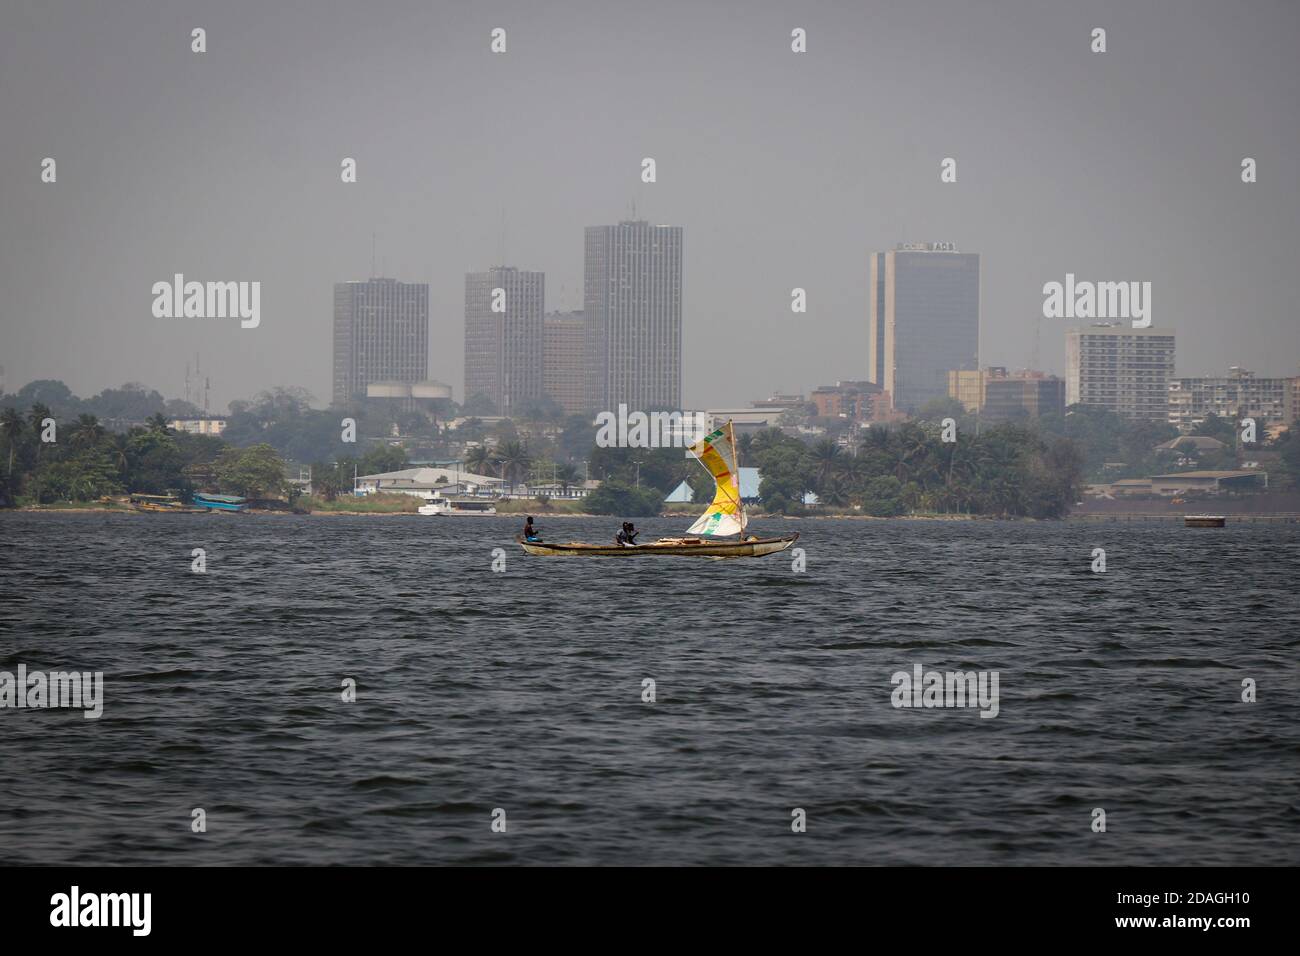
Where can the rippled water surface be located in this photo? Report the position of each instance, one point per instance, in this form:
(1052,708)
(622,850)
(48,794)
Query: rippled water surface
(522,690)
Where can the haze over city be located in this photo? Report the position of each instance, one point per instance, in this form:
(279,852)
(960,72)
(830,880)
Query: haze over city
(648,434)
(783,171)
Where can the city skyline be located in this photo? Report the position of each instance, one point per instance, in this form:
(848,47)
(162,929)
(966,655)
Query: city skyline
(791,182)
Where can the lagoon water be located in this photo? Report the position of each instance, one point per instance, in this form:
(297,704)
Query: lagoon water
(522,690)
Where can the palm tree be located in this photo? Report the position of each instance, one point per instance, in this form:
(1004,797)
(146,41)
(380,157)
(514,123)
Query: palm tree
(157,422)
(825,458)
(479,460)
(120,445)
(910,448)
(877,439)
(36,417)
(566,475)
(514,460)
(834,493)
(12,423)
(851,469)
(86,432)
(767,438)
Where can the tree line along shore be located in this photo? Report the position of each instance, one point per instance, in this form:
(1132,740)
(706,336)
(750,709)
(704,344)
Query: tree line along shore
(1030,469)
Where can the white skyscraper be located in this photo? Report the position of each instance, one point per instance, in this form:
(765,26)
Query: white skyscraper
(633,308)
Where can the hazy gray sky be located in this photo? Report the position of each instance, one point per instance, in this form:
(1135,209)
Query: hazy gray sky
(785,170)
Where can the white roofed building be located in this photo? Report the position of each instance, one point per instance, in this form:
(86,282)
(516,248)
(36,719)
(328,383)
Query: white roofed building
(425,481)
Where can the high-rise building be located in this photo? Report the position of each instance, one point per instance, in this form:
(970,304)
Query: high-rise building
(632,297)
(1125,369)
(381,334)
(1237,395)
(924,320)
(504,349)
(1024,395)
(564,360)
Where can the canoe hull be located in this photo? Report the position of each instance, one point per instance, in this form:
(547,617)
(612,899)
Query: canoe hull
(755,548)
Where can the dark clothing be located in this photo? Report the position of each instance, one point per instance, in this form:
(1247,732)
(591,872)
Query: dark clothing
(626,538)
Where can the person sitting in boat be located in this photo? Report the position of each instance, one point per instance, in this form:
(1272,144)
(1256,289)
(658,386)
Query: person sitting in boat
(530,531)
(626,538)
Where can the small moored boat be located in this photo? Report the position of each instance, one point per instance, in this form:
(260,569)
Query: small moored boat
(440,504)
(219,502)
(725,516)
(1204,521)
(161,504)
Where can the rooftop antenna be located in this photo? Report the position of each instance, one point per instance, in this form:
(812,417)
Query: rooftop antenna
(1038,329)
(501,239)
(207,384)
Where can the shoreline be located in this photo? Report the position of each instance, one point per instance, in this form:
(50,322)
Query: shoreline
(1238,518)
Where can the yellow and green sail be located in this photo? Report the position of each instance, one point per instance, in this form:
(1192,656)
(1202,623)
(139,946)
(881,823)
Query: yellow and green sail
(726,515)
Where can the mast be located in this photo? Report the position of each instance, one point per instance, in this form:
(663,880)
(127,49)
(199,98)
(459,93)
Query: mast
(740,500)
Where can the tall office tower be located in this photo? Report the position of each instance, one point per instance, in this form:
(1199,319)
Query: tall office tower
(1119,367)
(1237,395)
(504,350)
(925,320)
(564,360)
(381,334)
(632,292)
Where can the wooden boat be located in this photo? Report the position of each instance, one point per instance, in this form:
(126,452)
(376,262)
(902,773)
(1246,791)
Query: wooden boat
(725,516)
(162,504)
(694,547)
(1204,521)
(219,502)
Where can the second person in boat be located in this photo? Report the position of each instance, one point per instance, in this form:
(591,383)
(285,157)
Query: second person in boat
(626,538)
